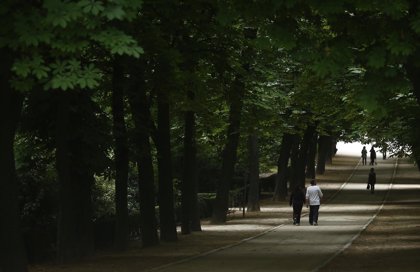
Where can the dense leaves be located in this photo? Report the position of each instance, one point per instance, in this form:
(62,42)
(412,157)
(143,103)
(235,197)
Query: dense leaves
(340,69)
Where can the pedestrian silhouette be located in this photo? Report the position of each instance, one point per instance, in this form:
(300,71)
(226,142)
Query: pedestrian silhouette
(372,156)
(371,180)
(297,198)
(364,155)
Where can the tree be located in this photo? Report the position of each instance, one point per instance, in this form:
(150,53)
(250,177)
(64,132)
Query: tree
(140,110)
(51,51)
(254,174)
(121,156)
(13,257)
(229,152)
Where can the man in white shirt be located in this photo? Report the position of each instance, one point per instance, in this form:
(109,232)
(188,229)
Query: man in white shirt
(313,199)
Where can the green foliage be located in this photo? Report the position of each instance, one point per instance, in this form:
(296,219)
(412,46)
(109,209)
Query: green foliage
(282,36)
(395,9)
(338,65)
(117,42)
(103,197)
(415,24)
(35,170)
(54,40)
(70,75)
(376,57)
(398,46)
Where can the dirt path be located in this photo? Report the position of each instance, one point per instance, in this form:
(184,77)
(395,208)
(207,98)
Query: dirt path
(292,248)
(306,247)
(392,241)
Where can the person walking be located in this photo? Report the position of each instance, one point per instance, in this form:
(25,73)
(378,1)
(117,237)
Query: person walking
(371,180)
(313,198)
(372,156)
(297,199)
(364,155)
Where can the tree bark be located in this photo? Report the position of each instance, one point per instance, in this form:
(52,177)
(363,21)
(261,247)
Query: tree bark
(229,153)
(280,191)
(12,250)
(303,155)
(190,220)
(166,192)
(75,230)
(413,72)
(330,150)
(142,121)
(254,174)
(310,167)
(121,158)
(323,143)
(294,162)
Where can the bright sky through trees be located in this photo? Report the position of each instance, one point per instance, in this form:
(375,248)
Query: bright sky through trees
(355,149)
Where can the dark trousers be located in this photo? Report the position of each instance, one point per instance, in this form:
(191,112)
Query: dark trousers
(364,160)
(297,210)
(372,188)
(313,214)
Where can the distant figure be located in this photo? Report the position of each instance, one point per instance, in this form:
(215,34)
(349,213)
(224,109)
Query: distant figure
(383,151)
(372,156)
(364,155)
(297,198)
(371,180)
(313,198)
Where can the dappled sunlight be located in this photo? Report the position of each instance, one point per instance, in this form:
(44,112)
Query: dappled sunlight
(405,186)
(285,208)
(235,227)
(353,207)
(362,187)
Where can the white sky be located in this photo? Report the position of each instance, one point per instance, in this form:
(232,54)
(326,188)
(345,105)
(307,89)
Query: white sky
(354,149)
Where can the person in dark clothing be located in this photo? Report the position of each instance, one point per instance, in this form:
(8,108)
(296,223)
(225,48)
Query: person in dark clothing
(297,199)
(372,156)
(372,180)
(364,155)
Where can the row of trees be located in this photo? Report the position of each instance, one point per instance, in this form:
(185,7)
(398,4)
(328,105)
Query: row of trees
(94,92)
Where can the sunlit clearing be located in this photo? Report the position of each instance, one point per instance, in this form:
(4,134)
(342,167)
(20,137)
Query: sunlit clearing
(354,149)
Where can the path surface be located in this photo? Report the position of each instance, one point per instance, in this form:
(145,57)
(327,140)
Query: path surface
(306,248)
(388,242)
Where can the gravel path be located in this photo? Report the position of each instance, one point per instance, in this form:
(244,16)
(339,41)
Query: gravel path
(307,248)
(357,231)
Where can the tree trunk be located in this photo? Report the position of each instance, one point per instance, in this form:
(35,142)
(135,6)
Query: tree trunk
(121,158)
(413,75)
(75,230)
(310,167)
(229,153)
(188,175)
(294,162)
(334,147)
(413,72)
(146,183)
(323,143)
(280,191)
(254,174)
(190,220)
(12,250)
(195,215)
(330,150)
(303,155)
(166,191)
